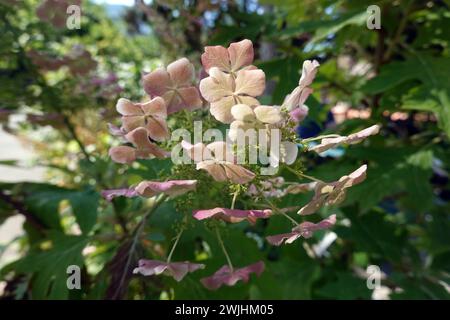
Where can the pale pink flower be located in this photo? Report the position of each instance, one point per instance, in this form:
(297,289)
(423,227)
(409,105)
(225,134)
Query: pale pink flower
(333,192)
(174,85)
(224,91)
(305,230)
(237,56)
(328,143)
(299,95)
(245,117)
(171,188)
(150,115)
(218,160)
(224,276)
(143,148)
(55,11)
(232,215)
(177,270)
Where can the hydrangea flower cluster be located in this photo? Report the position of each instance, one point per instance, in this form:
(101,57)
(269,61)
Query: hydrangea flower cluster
(229,91)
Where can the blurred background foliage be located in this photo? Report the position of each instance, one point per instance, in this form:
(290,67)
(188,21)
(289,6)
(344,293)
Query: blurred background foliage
(58,89)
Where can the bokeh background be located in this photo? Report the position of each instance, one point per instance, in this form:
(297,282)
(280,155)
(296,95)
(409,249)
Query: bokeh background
(58,89)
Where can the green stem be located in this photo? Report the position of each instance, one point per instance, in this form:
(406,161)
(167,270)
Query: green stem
(235,195)
(219,238)
(302,175)
(137,232)
(174,245)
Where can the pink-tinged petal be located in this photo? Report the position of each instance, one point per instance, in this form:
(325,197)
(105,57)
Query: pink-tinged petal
(315,204)
(216,56)
(333,192)
(356,177)
(189,98)
(181,72)
(177,270)
(138,137)
(278,239)
(157,129)
(180,269)
(354,138)
(250,101)
(130,123)
(297,98)
(232,215)
(221,109)
(215,170)
(250,82)
(217,86)
(361,135)
(299,114)
(309,71)
(150,267)
(238,174)
(144,148)
(122,154)
(305,230)
(243,112)
(241,54)
(156,82)
(155,108)
(197,152)
(267,114)
(127,108)
(113,193)
(170,188)
(224,276)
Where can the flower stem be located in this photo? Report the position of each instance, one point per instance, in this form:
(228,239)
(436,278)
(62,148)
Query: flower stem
(302,175)
(137,232)
(235,195)
(281,212)
(174,245)
(219,238)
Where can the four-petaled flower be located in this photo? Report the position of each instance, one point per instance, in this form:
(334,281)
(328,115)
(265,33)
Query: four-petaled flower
(305,230)
(237,56)
(177,270)
(245,117)
(226,276)
(333,192)
(224,90)
(150,115)
(218,160)
(143,148)
(232,215)
(174,85)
